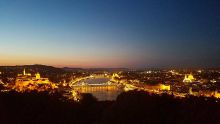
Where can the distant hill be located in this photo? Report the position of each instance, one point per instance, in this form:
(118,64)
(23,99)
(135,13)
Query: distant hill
(72,69)
(53,73)
(43,68)
(33,68)
(95,69)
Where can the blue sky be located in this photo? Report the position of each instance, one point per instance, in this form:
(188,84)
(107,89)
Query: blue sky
(110,33)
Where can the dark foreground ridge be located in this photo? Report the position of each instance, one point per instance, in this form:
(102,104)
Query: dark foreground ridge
(134,107)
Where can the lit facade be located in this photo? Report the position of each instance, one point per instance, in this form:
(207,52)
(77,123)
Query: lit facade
(188,78)
(26,81)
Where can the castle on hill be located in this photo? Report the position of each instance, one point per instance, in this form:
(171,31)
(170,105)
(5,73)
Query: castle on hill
(26,81)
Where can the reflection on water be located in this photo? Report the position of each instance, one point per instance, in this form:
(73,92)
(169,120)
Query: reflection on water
(95,81)
(102,93)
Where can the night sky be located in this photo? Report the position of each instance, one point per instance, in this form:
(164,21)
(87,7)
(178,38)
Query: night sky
(110,33)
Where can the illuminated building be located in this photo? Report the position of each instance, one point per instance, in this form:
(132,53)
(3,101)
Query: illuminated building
(115,75)
(188,78)
(173,72)
(24,73)
(158,87)
(37,76)
(149,72)
(164,87)
(217,94)
(190,91)
(213,81)
(27,82)
(1,82)
(199,71)
(129,87)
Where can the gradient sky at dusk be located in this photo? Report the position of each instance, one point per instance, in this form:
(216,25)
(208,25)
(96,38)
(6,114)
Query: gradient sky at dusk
(110,33)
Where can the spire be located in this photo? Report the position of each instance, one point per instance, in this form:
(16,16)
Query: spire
(24,73)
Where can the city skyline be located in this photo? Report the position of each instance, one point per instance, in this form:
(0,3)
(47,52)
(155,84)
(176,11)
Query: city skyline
(90,34)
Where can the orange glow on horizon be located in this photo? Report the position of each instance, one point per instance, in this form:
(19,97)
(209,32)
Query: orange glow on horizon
(88,63)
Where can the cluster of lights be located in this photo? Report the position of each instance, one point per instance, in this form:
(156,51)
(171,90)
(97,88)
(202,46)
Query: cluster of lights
(25,82)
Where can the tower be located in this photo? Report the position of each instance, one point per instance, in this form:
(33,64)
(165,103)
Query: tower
(190,91)
(37,76)
(24,73)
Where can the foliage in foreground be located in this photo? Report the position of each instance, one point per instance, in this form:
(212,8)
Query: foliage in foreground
(134,107)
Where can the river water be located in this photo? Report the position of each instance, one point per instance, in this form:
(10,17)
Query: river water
(102,94)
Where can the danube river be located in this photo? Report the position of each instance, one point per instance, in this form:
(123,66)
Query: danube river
(101,93)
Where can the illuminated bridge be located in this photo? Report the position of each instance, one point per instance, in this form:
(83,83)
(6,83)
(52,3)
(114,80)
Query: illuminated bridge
(93,76)
(94,87)
(80,84)
(97,85)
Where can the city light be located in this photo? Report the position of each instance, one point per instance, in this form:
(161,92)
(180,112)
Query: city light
(109,62)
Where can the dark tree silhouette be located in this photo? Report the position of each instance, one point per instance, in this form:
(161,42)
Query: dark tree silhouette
(133,107)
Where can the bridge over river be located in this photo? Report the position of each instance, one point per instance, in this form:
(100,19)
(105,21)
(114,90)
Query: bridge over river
(101,87)
(101,83)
